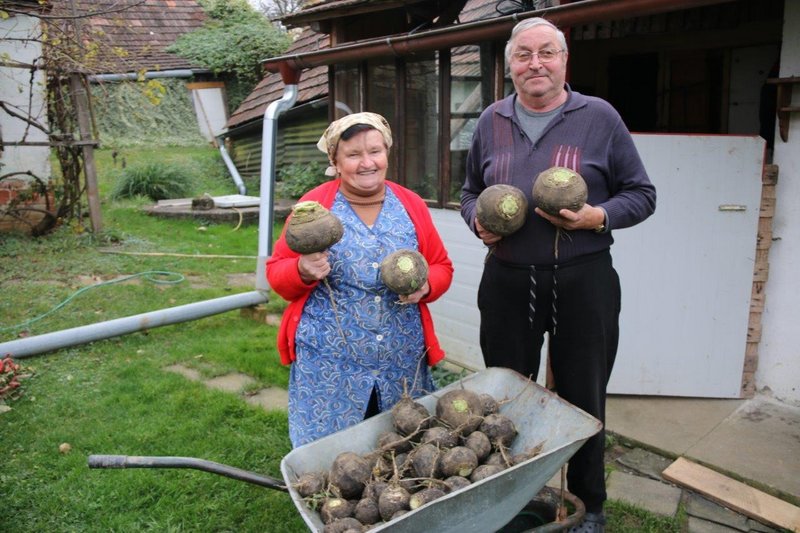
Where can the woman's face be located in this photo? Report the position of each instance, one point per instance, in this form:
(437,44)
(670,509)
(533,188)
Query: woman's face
(361,162)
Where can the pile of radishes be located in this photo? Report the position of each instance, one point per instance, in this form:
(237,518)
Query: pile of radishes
(427,456)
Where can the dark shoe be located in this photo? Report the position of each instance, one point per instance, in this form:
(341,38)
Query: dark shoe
(592,523)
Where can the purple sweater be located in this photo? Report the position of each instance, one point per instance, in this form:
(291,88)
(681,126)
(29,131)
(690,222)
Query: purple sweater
(589,137)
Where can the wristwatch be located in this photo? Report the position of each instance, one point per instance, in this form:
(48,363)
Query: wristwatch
(601,228)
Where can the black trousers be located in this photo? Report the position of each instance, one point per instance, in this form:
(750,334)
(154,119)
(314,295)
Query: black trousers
(578,304)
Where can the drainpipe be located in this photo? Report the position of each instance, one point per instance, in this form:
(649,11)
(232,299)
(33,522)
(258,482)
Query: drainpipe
(268,145)
(237,178)
(47,342)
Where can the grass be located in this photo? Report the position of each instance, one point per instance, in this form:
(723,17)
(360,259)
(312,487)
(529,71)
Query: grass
(114,397)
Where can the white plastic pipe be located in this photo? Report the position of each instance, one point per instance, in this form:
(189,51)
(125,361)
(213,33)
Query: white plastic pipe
(267,188)
(113,328)
(237,178)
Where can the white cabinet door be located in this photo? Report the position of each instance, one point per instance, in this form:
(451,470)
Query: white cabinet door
(687,271)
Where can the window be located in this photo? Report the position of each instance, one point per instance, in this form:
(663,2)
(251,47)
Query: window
(421,126)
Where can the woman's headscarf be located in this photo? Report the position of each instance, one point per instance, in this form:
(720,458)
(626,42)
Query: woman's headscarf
(330,139)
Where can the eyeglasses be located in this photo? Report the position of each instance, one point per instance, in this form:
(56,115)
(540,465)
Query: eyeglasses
(545,56)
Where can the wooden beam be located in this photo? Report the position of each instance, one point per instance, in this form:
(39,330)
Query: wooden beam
(80,99)
(734,494)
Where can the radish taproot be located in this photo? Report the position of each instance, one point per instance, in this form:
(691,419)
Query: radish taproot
(349,474)
(499,429)
(478,442)
(367,511)
(404,271)
(344,525)
(312,228)
(424,496)
(501,209)
(559,188)
(393,499)
(334,509)
(310,483)
(461,410)
(458,461)
(410,417)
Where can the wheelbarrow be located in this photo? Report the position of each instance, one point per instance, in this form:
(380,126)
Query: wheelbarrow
(541,418)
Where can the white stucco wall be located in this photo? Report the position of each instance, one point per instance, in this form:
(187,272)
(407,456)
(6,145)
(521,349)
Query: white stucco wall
(779,352)
(15,89)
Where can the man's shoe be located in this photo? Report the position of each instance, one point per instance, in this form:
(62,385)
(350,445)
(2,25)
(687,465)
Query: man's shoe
(592,523)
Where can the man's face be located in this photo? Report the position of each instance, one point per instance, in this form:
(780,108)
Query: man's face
(537,83)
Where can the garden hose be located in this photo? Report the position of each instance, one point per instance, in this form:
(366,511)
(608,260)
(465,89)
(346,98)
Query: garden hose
(150,275)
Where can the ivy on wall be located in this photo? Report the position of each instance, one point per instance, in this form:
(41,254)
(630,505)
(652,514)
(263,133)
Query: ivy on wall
(126,115)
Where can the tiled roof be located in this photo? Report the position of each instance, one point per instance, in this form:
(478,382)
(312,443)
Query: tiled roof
(314,82)
(143,29)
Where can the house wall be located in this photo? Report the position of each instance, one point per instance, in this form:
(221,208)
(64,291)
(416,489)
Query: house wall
(779,352)
(15,89)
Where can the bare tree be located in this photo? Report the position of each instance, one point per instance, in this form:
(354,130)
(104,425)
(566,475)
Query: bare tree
(279,8)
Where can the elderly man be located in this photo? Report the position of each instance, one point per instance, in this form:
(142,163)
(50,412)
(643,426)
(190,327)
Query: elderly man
(555,273)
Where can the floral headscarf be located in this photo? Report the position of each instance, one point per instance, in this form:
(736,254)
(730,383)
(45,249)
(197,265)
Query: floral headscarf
(330,139)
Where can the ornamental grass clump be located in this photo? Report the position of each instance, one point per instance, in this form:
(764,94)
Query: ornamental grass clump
(155,179)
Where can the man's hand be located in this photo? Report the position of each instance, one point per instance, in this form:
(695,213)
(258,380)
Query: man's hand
(587,217)
(485,235)
(313,267)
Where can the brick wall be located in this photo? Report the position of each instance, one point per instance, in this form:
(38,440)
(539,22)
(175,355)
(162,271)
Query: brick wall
(10,193)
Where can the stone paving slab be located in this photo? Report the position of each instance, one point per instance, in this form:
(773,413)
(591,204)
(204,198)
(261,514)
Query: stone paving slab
(654,496)
(698,525)
(645,462)
(189,373)
(270,398)
(699,507)
(753,443)
(233,382)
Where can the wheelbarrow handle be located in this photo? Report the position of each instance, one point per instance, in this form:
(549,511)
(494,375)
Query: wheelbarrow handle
(135,461)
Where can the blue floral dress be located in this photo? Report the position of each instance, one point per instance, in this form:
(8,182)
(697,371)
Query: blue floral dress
(333,377)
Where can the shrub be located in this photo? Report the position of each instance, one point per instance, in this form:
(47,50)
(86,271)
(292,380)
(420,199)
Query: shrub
(296,179)
(156,180)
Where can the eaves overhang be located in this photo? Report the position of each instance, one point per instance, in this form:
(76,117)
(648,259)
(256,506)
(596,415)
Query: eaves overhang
(576,13)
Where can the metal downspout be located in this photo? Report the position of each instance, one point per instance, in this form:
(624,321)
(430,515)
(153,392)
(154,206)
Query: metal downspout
(237,178)
(268,145)
(105,330)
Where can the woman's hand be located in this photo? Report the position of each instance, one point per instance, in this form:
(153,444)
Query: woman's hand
(485,235)
(313,267)
(415,297)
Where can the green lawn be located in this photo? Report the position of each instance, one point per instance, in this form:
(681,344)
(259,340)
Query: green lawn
(113,396)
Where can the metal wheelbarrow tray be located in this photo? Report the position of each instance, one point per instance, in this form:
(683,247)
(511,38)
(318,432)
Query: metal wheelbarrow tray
(541,417)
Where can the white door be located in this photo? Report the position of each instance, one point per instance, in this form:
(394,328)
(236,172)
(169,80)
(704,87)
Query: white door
(686,272)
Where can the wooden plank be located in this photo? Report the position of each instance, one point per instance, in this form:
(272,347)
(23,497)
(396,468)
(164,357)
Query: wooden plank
(734,494)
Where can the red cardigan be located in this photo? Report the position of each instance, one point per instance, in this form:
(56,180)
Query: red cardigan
(284,278)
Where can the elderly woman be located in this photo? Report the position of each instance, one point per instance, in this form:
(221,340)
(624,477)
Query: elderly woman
(353,344)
